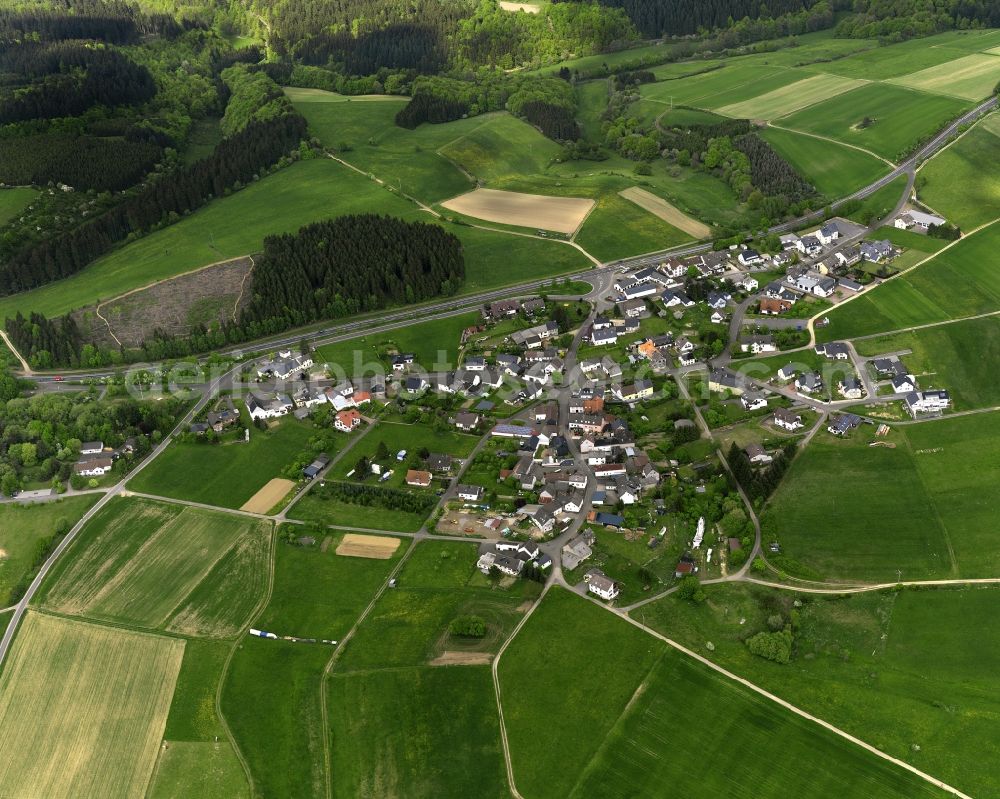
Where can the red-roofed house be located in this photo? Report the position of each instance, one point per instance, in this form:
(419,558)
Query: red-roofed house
(347,420)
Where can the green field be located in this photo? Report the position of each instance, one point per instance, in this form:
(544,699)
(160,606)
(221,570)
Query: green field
(422,733)
(726,84)
(190,768)
(103,694)
(972,77)
(900,118)
(503,145)
(954,182)
(13,201)
(850,512)
(962,357)
(271,693)
(959,281)
(424,339)
(909,672)
(893,61)
(147,563)
(835,171)
(653,720)
(790,98)
(23,527)
(881,202)
(226,475)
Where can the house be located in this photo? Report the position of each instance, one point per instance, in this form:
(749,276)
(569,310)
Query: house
(318,465)
(888,367)
(789,241)
(828,233)
(758,344)
(414,385)
(717,318)
(772,306)
(603,337)
(402,361)
(91,447)
(903,384)
(532,306)
(757,455)
(684,345)
(724,380)
(525,550)
(599,584)
(849,255)
(466,420)
(716,300)
(637,290)
(748,284)
(926,401)
(609,520)
(347,420)
(787,372)
(753,400)
(638,390)
(877,251)
(417,477)
(631,309)
(94,467)
(578,550)
(808,382)
(509,565)
(824,287)
(220,420)
(284,366)
(811,245)
(788,420)
(501,309)
(470,493)
(837,350)
(850,285)
(842,425)
(474,364)
(261,407)
(918,220)
(749,257)
(850,388)
(685,566)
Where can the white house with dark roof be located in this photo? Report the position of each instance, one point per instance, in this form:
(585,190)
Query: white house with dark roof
(599,584)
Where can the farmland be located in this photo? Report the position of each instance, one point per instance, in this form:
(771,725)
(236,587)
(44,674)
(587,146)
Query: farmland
(790,98)
(104,694)
(959,281)
(665,211)
(972,77)
(561,214)
(929,499)
(138,561)
(23,529)
(227,474)
(908,671)
(189,768)
(954,182)
(606,721)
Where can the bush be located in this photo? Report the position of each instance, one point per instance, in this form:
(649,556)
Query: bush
(468,626)
(776,646)
(690,589)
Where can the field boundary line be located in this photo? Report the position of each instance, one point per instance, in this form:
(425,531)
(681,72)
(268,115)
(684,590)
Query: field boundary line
(328,668)
(261,606)
(793,708)
(494,668)
(831,141)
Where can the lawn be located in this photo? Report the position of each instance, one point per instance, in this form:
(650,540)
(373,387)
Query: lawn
(834,171)
(423,733)
(228,474)
(409,625)
(909,672)
(24,527)
(12,201)
(957,282)
(426,340)
(103,694)
(900,117)
(972,77)
(954,182)
(879,203)
(143,562)
(789,98)
(962,357)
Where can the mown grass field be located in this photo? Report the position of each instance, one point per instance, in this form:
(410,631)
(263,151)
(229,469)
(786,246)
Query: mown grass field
(189,768)
(785,100)
(13,201)
(711,89)
(503,145)
(654,719)
(23,527)
(424,339)
(847,511)
(893,61)
(955,182)
(958,281)
(271,693)
(962,357)
(972,77)
(835,171)
(908,672)
(900,117)
(103,694)
(424,732)
(226,475)
(146,563)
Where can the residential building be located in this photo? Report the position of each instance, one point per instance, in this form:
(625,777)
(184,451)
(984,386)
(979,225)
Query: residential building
(93,467)
(470,493)
(787,420)
(757,455)
(599,584)
(837,350)
(934,401)
(347,420)
(753,400)
(758,344)
(842,425)
(918,220)
(467,421)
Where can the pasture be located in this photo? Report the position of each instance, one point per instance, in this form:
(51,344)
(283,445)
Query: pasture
(908,672)
(954,182)
(138,561)
(835,171)
(423,733)
(13,201)
(958,281)
(192,768)
(503,146)
(899,116)
(788,99)
(22,530)
(667,212)
(103,694)
(226,474)
(561,214)
(971,77)
(893,61)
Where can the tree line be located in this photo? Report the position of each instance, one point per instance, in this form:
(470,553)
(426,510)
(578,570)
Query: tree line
(377,496)
(760,484)
(897,20)
(235,160)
